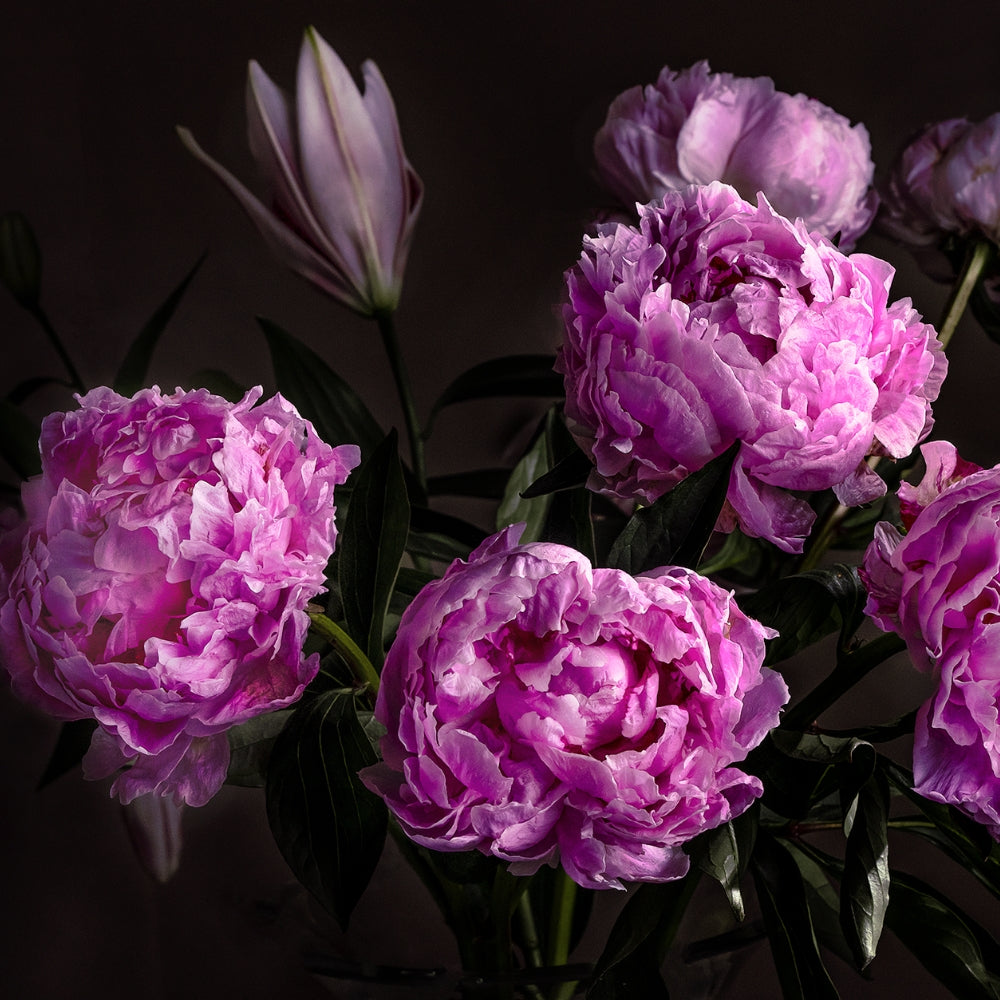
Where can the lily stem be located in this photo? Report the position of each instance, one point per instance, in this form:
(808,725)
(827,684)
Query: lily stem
(387,329)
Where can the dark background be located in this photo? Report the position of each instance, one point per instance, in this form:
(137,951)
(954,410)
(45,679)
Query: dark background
(498,105)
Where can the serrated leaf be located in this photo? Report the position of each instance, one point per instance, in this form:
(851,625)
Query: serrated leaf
(19,440)
(72,743)
(947,942)
(513,375)
(807,607)
(784,905)
(864,887)
(320,395)
(250,746)
(676,528)
(329,827)
(132,373)
(371,545)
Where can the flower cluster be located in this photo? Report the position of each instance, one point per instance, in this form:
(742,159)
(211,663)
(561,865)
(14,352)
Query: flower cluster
(158,582)
(695,127)
(544,711)
(938,586)
(717,321)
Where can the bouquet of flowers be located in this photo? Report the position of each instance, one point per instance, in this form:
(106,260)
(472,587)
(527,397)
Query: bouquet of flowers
(588,697)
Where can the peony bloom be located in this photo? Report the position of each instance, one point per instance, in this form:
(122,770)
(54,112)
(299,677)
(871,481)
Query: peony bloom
(945,183)
(159,579)
(938,586)
(342,199)
(546,712)
(717,321)
(695,127)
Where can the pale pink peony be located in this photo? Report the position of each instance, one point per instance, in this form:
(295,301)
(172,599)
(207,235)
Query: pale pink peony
(938,586)
(546,712)
(695,126)
(718,321)
(159,579)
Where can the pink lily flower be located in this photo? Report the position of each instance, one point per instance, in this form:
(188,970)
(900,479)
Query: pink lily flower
(341,197)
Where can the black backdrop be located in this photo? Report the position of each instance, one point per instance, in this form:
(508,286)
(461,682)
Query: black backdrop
(498,104)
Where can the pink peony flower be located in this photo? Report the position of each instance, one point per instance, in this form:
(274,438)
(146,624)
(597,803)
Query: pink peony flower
(717,321)
(938,586)
(543,711)
(159,579)
(695,126)
(343,198)
(945,182)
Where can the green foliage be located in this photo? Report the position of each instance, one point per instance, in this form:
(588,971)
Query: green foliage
(329,827)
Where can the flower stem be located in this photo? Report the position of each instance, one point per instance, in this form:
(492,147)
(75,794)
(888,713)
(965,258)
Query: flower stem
(361,666)
(975,261)
(387,329)
(50,331)
(560,929)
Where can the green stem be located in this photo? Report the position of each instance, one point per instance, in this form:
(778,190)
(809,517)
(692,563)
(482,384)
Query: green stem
(560,930)
(387,328)
(975,261)
(851,667)
(43,320)
(532,947)
(361,666)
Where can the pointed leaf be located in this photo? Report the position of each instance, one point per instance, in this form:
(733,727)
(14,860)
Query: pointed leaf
(514,507)
(783,902)
(718,855)
(806,607)
(570,472)
(320,395)
(132,374)
(20,259)
(329,827)
(250,746)
(676,529)
(371,546)
(864,888)
(953,948)
(71,745)
(19,440)
(487,484)
(513,375)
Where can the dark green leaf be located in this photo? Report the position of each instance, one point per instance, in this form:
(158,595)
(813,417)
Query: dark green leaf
(320,395)
(487,484)
(514,375)
(629,966)
(806,607)
(132,374)
(514,507)
(371,546)
(19,440)
(23,390)
(72,743)
(433,545)
(219,383)
(676,529)
(953,948)
(423,519)
(717,854)
(864,888)
(329,827)
(567,474)
(20,259)
(250,745)
(784,905)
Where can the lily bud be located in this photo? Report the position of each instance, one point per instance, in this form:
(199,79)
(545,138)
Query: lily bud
(341,197)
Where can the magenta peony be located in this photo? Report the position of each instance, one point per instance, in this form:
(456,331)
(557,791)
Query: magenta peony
(718,321)
(695,126)
(342,197)
(546,712)
(158,581)
(946,181)
(938,586)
